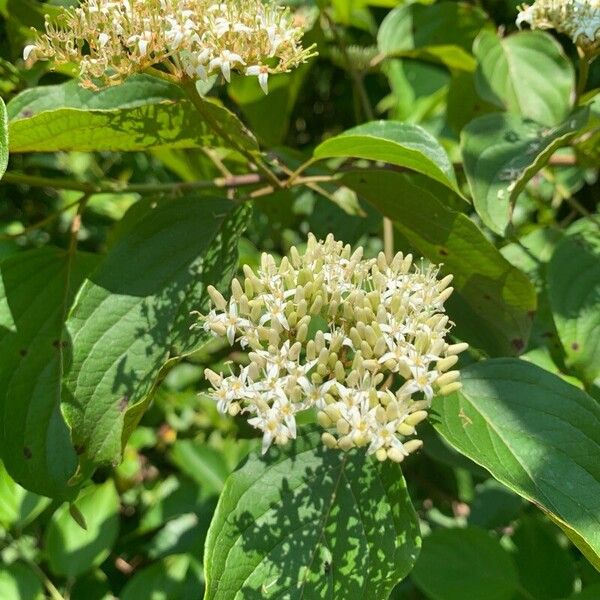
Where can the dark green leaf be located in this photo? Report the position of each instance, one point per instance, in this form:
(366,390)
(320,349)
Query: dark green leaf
(534,57)
(309,521)
(443,33)
(71,550)
(536,434)
(401,144)
(456,564)
(573,281)
(36,291)
(142,113)
(502,152)
(173,578)
(133,313)
(496,300)
(546,568)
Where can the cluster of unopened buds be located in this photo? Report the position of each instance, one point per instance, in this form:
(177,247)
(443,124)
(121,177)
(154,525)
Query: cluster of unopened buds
(579,19)
(112,39)
(361,342)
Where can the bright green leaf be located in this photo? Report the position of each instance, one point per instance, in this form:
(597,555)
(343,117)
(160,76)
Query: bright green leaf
(133,313)
(456,564)
(307,521)
(443,33)
(502,152)
(536,434)
(19,582)
(496,299)
(533,57)
(142,113)
(72,550)
(18,507)
(573,281)
(36,291)
(401,144)
(202,463)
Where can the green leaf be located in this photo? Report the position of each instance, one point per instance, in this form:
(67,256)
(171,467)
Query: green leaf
(36,291)
(142,113)
(19,582)
(546,568)
(456,564)
(18,507)
(173,578)
(443,33)
(533,57)
(536,434)
(3,138)
(573,280)
(202,463)
(401,144)
(132,315)
(307,521)
(496,299)
(71,550)
(502,152)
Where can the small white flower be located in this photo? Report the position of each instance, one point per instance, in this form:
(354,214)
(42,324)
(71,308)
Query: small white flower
(263,76)
(29,51)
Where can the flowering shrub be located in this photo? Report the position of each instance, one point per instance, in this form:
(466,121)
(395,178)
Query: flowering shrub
(299,300)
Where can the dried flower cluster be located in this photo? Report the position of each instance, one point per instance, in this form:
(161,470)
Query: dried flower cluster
(111,39)
(361,341)
(579,19)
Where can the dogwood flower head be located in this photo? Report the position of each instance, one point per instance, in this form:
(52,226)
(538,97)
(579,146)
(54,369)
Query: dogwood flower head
(109,40)
(360,342)
(579,19)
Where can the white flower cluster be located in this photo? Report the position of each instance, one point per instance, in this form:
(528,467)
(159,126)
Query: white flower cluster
(110,40)
(360,341)
(579,19)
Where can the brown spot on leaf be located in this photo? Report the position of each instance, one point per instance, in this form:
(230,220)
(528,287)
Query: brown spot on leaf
(443,252)
(27,452)
(123,403)
(518,344)
(23,351)
(575,346)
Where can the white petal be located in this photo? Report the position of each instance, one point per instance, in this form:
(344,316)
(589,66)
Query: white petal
(253,70)
(226,70)
(27,51)
(263,80)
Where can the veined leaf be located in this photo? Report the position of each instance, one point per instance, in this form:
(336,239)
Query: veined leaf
(142,113)
(133,313)
(502,152)
(307,521)
(36,291)
(401,144)
(534,57)
(536,434)
(496,299)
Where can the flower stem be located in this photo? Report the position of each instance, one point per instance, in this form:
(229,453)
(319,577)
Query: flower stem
(190,88)
(584,71)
